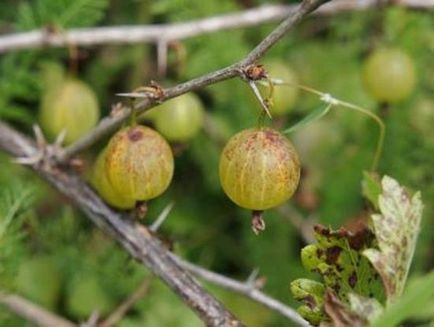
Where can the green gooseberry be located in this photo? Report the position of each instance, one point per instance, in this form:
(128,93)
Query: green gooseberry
(259,168)
(71,106)
(139,163)
(389,75)
(422,116)
(102,185)
(181,118)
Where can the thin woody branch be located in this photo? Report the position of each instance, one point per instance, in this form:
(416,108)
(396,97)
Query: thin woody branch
(141,244)
(32,312)
(154,33)
(135,239)
(248,289)
(110,123)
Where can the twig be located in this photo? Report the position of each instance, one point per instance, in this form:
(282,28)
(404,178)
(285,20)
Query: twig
(110,123)
(247,289)
(32,312)
(136,239)
(123,308)
(178,31)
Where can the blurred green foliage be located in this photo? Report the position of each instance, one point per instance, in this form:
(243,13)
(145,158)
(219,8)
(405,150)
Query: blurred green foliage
(204,226)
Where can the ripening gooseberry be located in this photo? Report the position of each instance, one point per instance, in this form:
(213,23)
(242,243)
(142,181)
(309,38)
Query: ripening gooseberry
(284,96)
(180,119)
(139,163)
(71,106)
(389,75)
(422,116)
(102,185)
(259,168)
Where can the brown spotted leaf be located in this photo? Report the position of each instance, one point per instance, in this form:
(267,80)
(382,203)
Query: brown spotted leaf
(368,308)
(396,229)
(338,258)
(340,313)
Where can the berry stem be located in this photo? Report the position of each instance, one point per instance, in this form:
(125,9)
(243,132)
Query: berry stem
(258,224)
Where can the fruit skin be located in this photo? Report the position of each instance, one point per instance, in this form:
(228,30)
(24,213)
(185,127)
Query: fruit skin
(102,185)
(284,96)
(180,119)
(259,168)
(71,106)
(86,295)
(422,116)
(139,163)
(39,279)
(389,75)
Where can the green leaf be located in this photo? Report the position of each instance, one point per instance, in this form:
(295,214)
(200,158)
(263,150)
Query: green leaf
(313,116)
(417,295)
(311,294)
(396,230)
(371,187)
(338,258)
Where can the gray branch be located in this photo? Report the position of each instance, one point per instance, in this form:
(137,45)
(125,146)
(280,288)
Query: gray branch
(247,289)
(136,240)
(155,33)
(109,124)
(32,312)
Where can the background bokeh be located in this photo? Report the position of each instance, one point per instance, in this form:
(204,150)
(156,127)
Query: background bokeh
(327,53)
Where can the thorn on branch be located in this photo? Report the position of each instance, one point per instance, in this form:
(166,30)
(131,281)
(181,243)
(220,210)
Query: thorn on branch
(45,152)
(264,103)
(162,217)
(153,91)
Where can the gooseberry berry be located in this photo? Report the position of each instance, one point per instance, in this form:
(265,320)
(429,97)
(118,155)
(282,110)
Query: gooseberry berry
(71,106)
(389,75)
(422,116)
(284,96)
(259,169)
(180,119)
(139,163)
(100,182)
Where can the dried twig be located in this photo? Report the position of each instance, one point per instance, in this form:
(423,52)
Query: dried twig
(136,239)
(33,312)
(154,33)
(110,123)
(125,306)
(247,289)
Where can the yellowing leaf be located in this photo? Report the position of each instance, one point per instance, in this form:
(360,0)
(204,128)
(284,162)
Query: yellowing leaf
(396,229)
